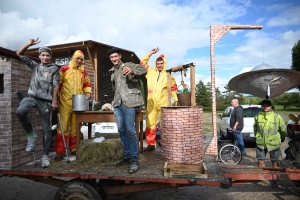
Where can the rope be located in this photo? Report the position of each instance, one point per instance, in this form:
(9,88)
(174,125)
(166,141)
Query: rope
(182,81)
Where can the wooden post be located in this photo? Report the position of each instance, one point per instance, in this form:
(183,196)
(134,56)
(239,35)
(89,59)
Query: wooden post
(94,70)
(193,87)
(96,80)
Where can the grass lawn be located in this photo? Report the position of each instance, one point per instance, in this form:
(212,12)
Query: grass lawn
(208,118)
(285,113)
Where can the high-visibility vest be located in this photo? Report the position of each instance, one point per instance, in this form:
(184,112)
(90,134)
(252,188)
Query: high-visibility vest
(269,129)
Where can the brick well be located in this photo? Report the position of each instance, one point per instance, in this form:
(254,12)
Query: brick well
(182,139)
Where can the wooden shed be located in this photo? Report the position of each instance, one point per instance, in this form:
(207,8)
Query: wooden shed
(96,62)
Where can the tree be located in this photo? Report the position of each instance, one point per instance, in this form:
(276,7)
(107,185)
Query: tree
(203,96)
(296,58)
(283,100)
(294,99)
(217,90)
(231,94)
(218,93)
(252,101)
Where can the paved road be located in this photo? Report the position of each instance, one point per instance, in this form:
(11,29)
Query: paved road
(22,189)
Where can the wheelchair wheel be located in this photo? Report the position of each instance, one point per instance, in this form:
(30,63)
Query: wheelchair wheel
(230,154)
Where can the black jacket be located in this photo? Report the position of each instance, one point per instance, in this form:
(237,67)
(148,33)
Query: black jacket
(237,115)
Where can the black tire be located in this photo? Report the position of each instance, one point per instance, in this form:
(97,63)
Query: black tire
(77,189)
(297,183)
(230,154)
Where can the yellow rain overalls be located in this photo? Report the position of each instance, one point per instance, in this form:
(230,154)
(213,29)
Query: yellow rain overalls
(73,80)
(157,84)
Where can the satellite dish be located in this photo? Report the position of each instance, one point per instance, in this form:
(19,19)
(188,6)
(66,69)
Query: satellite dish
(265,81)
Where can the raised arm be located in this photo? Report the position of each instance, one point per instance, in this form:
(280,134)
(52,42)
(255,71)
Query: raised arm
(153,51)
(31,42)
(145,59)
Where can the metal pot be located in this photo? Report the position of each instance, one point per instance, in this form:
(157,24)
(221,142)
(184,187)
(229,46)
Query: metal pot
(79,102)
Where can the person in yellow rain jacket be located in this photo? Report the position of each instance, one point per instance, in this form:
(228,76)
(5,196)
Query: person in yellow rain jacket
(74,79)
(157,84)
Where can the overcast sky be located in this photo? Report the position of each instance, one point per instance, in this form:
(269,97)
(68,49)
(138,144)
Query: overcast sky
(180,28)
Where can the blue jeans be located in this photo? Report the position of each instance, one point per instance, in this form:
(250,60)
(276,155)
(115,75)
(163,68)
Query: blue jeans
(125,119)
(238,139)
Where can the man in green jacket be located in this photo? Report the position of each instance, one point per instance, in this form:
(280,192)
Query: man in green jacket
(269,129)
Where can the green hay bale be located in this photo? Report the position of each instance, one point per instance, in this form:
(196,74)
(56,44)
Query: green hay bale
(108,150)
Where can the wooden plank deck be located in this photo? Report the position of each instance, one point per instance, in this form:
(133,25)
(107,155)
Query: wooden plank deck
(151,170)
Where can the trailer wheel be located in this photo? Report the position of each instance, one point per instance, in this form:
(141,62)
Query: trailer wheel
(297,183)
(77,190)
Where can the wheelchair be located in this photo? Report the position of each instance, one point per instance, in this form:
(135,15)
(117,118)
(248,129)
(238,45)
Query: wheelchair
(228,152)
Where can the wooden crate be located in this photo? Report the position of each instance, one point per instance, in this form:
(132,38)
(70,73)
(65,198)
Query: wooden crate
(185,171)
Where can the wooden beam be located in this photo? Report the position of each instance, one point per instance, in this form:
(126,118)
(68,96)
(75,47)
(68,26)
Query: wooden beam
(96,73)
(94,69)
(63,47)
(89,53)
(193,87)
(96,81)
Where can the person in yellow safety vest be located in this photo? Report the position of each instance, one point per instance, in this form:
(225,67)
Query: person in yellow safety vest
(157,84)
(74,79)
(269,130)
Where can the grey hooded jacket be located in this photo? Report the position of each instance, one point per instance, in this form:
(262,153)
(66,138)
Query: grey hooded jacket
(44,78)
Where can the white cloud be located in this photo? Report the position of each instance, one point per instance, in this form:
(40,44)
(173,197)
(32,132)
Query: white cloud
(180,30)
(220,82)
(245,69)
(260,20)
(172,27)
(13,28)
(289,17)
